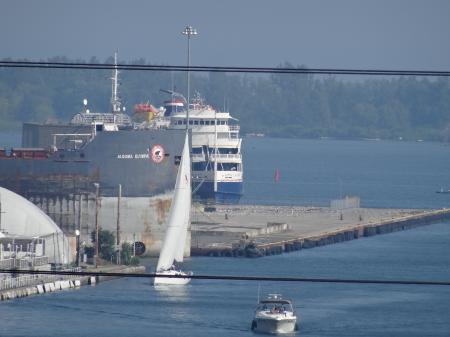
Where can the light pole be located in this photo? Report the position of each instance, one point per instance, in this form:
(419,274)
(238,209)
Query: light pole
(118,226)
(97,186)
(77,234)
(188,31)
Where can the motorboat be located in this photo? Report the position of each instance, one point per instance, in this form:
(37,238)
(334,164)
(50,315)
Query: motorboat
(274,315)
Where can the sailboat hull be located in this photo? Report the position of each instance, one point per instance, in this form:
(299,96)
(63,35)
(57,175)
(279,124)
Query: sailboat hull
(172,280)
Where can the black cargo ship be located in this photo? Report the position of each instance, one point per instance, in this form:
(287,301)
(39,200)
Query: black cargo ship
(98,167)
(144,162)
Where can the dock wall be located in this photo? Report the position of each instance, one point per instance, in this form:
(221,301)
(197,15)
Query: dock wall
(47,284)
(326,238)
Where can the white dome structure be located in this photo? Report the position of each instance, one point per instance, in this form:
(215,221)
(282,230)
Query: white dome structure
(22,218)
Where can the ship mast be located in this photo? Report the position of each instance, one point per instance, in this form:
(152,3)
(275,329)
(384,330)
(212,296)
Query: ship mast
(115,101)
(1,230)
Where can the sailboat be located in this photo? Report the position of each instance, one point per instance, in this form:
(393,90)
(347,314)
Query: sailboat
(178,221)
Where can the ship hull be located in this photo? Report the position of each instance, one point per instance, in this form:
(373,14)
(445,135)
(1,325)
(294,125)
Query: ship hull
(62,184)
(227,192)
(274,326)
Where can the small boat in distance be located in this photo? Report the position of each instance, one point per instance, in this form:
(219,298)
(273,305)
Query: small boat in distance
(276,176)
(178,222)
(443,191)
(274,315)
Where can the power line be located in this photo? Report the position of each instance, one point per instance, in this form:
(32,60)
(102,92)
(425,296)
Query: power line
(256,70)
(231,277)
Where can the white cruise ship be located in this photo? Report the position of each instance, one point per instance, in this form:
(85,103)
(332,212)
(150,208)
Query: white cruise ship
(217,170)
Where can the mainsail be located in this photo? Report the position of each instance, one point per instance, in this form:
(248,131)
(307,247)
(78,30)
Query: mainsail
(179,215)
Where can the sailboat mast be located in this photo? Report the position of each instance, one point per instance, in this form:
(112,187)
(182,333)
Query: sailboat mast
(215,151)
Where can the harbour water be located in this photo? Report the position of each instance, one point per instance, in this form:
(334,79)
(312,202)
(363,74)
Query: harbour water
(383,174)
(386,174)
(132,307)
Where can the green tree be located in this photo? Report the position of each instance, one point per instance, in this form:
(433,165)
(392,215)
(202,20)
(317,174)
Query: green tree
(284,105)
(107,243)
(126,255)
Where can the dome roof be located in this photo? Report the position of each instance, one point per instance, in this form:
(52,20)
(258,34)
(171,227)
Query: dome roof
(20,217)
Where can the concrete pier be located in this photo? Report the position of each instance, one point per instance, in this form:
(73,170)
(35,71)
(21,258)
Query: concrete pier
(253,231)
(44,284)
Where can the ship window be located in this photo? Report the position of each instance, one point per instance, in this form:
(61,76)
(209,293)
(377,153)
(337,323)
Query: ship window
(213,122)
(199,166)
(197,150)
(184,122)
(202,122)
(191,122)
(224,150)
(195,122)
(206,122)
(227,167)
(177,160)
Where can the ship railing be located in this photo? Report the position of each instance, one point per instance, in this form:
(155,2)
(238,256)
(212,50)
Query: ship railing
(226,156)
(230,135)
(7,263)
(10,282)
(218,156)
(197,156)
(234,127)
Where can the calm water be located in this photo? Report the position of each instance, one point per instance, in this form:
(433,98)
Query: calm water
(132,307)
(383,174)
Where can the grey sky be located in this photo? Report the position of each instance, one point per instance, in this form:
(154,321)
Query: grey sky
(390,34)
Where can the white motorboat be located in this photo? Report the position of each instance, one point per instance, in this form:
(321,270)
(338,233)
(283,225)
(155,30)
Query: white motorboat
(178,222)
(274,315)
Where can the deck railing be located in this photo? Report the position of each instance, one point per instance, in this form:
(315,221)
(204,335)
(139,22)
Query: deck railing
(10,282)
(218,156)
(226,156)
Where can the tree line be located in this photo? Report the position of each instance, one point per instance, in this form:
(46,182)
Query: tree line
(279,105)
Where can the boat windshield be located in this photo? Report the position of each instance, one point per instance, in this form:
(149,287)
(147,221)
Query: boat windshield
(275,307)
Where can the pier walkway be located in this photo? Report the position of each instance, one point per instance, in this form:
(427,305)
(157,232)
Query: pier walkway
(255,230)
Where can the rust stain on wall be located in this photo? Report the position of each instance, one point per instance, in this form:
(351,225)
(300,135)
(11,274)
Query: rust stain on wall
(162,207)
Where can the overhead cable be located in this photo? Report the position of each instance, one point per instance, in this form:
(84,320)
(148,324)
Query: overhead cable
(256,70)
(230,277)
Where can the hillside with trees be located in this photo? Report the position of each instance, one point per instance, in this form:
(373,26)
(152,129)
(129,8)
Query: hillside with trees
(279,105)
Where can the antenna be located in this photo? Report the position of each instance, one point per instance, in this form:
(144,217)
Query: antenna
(174,94)
(115,101)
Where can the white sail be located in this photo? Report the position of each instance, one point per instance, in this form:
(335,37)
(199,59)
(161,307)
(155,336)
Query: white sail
(179,215)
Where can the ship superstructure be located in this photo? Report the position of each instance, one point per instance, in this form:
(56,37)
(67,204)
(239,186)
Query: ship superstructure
(217,168)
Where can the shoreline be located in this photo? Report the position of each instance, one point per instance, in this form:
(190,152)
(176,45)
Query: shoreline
(41,285)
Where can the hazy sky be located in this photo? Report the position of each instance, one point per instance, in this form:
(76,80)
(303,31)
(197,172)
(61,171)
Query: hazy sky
(388,34)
